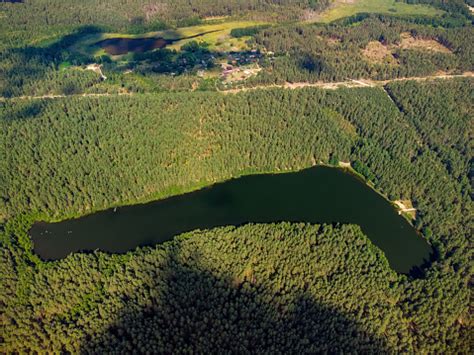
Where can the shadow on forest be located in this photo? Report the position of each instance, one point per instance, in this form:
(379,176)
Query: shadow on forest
(28,65)
(182,306)
(33,62)
(25,110)
(22,109)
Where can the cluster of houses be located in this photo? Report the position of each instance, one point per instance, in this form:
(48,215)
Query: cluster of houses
(241,65)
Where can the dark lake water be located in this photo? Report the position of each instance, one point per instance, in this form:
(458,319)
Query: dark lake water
(315,195)
(117,46)
(121,45)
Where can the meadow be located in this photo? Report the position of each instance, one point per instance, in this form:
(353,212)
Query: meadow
(345,8)
(215,35)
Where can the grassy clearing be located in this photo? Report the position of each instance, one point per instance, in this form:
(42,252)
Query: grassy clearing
(345,8)
(217,36)
(64,65)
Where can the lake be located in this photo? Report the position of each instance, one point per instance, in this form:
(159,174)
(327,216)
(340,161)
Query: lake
(314,195)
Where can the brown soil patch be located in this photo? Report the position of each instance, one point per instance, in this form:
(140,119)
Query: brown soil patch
(333,40)
(376,52)
(406,206)
(309,15)
(407,41)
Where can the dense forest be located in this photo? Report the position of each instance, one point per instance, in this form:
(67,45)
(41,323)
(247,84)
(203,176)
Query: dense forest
(165,130)
(338,52)
(211,291)
(75,159)
(121,14)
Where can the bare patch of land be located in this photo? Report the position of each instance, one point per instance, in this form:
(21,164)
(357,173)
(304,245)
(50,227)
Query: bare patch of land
(97,68)
(407,41)
(333,40)
(405,206)
(376,52)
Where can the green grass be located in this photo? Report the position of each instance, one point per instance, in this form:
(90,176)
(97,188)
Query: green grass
(64,65)
(218,38)
(342,9)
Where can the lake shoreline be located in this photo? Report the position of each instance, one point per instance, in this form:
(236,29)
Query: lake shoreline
(320,194)
(174,191)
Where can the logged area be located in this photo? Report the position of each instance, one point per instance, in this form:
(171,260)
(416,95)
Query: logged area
(236,176)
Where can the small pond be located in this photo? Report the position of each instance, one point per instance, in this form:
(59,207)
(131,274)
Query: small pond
(118,46)
(123,45)
(315,195)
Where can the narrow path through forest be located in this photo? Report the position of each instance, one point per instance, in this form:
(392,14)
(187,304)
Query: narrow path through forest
(352,83)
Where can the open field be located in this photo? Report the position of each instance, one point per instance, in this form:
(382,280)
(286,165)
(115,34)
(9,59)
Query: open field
(216,35)
(345,8)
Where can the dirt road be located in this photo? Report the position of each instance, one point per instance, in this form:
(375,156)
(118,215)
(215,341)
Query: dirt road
(353,83)
(322,85)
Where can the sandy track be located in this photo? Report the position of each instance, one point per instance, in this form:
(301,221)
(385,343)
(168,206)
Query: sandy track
(322,85)
(350,83)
